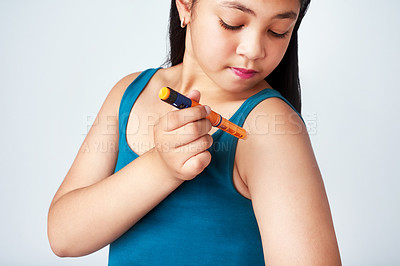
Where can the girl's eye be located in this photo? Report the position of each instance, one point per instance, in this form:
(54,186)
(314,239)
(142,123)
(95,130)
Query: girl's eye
(229,27)
(280,36)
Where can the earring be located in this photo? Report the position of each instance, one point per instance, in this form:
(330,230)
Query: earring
(183,22)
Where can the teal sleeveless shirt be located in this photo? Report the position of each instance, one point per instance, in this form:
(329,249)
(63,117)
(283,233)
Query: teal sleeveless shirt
(205,221)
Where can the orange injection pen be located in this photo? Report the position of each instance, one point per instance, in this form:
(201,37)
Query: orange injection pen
(180,101)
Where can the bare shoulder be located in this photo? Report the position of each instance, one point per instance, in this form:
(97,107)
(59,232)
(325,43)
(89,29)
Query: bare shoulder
(278,165)
(273,129)
(116,93)
(273,117)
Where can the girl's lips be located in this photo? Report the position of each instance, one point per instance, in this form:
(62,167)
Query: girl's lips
(243,73)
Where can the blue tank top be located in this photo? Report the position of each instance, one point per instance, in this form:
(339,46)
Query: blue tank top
(205,221)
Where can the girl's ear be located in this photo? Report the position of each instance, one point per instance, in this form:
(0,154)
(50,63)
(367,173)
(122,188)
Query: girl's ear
(184,10)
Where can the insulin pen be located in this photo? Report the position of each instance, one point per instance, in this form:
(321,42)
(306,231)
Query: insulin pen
(180,101)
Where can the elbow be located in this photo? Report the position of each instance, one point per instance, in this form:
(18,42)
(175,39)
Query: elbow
(58,245)
(68,237)
(58,248)
(58,251)
(61,245)
(59,237)
(64,248)
(56,242)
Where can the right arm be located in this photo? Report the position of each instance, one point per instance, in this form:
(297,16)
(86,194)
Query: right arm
(93,206)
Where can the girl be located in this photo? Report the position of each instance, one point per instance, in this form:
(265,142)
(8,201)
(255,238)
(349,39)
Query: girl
(179,192)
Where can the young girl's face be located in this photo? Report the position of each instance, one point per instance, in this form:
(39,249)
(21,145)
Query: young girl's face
(237,43)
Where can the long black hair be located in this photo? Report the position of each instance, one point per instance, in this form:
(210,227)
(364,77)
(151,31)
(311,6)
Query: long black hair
(284,78)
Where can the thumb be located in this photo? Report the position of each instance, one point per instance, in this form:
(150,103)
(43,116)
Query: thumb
(194,95)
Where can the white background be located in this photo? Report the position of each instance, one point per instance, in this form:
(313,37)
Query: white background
(59,59)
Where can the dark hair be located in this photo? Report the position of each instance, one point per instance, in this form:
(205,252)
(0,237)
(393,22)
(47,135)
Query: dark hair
(284,78)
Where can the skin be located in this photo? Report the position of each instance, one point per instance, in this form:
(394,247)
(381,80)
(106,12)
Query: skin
(275,167)
(285,185)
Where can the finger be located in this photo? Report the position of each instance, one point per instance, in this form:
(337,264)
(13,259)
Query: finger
(192,131)
(196,164)
(194,95)
(178,118)
(195,147)
(181,154)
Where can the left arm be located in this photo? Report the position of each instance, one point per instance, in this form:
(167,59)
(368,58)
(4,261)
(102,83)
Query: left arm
(291,207)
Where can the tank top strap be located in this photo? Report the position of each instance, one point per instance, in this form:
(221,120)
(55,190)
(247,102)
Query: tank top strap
(244,110)
(241,114)
(130,96)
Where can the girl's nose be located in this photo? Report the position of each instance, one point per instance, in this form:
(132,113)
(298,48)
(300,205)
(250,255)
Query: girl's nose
(252,46)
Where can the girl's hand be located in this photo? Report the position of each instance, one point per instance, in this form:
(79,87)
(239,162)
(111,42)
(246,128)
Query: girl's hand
(181,140)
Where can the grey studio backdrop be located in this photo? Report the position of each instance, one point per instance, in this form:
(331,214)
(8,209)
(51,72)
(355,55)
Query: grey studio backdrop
(59,59)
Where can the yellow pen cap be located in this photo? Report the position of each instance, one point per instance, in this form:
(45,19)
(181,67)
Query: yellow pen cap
(164,93)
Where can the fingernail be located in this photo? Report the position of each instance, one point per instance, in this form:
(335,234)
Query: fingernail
(208,109)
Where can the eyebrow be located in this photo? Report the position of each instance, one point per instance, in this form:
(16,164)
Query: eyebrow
(238,6)
(289,14)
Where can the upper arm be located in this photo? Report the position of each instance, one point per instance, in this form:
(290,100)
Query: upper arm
(97,156)
(286,188)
